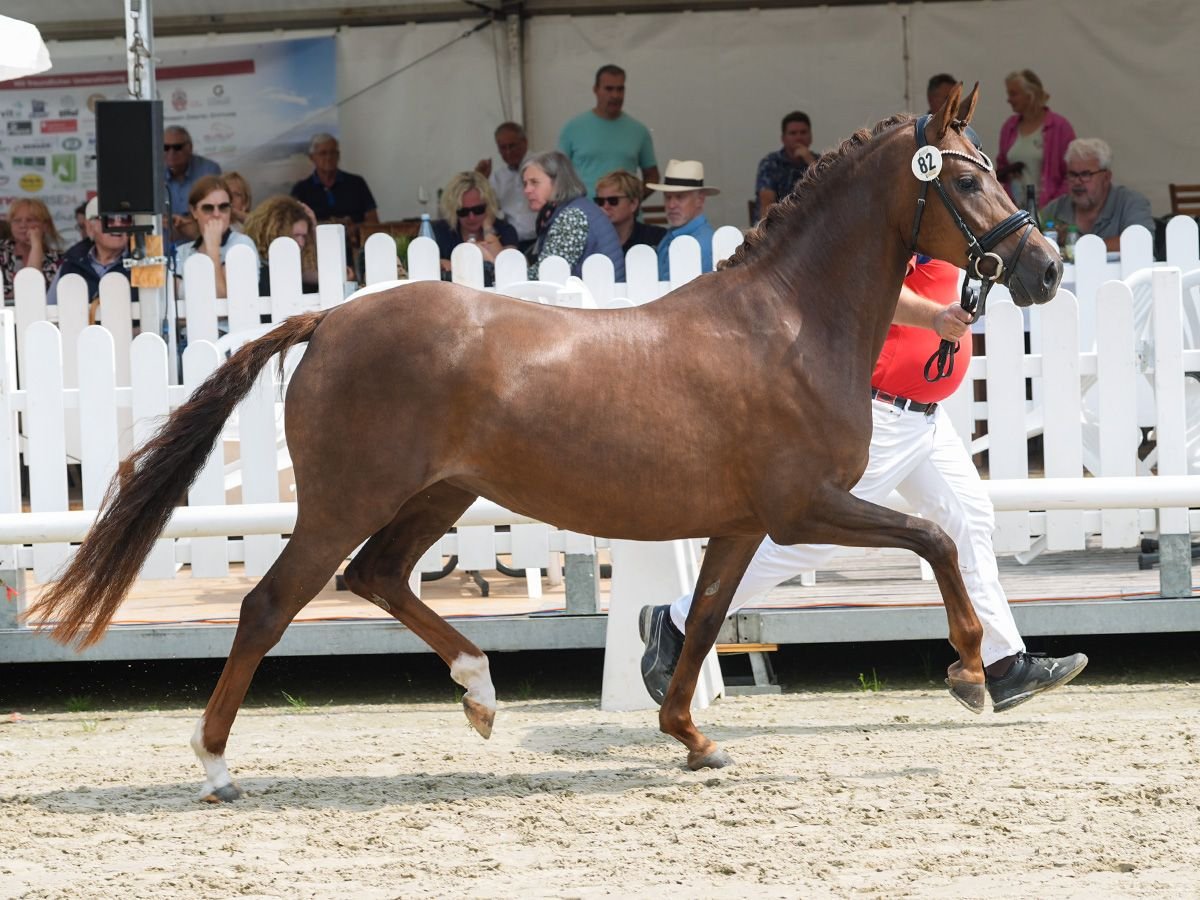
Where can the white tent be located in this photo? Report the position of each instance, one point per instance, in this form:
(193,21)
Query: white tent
(711,82)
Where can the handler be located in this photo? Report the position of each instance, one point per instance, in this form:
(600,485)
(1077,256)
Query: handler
(915,451)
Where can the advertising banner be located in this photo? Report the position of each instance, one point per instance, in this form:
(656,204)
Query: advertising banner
(250,107)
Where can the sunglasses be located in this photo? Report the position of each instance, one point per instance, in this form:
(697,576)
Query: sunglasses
(608,201)
(210,208)
(471,210)
(167,148)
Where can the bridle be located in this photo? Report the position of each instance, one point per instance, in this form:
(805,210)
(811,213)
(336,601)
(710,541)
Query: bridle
(979,250)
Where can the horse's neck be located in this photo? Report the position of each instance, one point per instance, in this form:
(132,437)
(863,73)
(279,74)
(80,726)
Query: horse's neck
(840,268)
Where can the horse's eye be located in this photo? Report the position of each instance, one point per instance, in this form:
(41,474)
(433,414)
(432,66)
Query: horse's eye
(968,183)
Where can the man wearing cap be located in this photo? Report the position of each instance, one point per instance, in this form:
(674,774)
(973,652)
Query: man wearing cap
(684,193)
(107,254)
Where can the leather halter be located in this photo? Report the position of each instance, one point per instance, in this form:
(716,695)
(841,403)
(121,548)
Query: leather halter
(973,299)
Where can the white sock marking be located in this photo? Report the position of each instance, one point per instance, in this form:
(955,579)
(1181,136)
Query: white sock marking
(472,673)
(214,765)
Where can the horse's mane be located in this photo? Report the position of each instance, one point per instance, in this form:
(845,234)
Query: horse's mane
(802,195)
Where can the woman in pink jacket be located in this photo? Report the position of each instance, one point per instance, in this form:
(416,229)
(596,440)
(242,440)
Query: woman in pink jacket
(1032,142)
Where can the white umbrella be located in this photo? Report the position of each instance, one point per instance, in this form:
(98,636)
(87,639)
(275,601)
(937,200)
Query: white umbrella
(22,50)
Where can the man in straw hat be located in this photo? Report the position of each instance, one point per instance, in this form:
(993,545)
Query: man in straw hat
(684,193)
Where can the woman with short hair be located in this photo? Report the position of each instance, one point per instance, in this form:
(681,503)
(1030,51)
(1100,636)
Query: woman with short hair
(469,215)
(35,243)
(568,223)
(619,195)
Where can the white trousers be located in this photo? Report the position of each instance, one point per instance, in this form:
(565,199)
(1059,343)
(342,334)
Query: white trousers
(921,458)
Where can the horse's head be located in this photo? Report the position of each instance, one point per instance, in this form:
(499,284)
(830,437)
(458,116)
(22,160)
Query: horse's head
(975,224)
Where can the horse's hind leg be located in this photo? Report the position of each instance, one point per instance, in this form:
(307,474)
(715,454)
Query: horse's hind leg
(725,562)
(380,573)
(307,562)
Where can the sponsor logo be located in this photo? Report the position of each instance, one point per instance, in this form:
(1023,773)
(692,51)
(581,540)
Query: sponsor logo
(69,111)
(59,126)
(63,167)
(9,113)
(72,143)
(29,162)
(218,131)
(32,182)
(218,89)
(4,179)
(179,100)
(37,109)
(27,146)
(19,128)
(92,100)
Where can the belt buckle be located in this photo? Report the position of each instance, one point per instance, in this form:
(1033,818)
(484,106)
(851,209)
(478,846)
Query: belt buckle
(885,397)
(930,410)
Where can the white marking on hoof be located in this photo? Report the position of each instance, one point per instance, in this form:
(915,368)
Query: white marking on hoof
(214,765)
(473,674)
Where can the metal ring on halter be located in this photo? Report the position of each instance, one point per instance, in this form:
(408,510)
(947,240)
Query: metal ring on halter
(997,275)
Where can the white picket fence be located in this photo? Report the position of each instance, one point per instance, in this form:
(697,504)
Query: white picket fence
(89,393)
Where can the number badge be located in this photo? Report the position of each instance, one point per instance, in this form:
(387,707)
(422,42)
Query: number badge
(927,163)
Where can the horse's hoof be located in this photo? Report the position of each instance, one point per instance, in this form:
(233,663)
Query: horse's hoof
(716,758)
(226,794)
(480,717)
(970,694)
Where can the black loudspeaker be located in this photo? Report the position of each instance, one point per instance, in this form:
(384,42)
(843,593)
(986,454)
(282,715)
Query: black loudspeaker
(129,156)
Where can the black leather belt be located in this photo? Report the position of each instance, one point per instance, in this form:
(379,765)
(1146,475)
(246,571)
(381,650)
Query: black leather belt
(903,402)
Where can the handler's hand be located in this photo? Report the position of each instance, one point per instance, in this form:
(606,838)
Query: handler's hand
(952,322)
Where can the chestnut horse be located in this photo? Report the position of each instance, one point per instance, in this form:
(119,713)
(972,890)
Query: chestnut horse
(735,407)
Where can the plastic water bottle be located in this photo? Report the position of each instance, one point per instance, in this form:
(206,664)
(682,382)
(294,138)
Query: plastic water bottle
(426,226)
(1050,233)
(1072,238)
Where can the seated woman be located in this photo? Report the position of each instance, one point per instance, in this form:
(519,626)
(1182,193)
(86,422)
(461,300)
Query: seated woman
(619,195)
(34,243)
(212,209)
(239,196)
(284,216)
(470,207)
(568,223)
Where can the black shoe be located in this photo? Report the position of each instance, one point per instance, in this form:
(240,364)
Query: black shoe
(1032,673)
(664,643)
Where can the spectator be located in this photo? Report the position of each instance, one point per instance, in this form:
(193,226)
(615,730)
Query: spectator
(1033,142)
(107,253)
(619,195)
(513,147)
(240,197)
(81,220)
(684,193)
(333,195)
(778,172)
(1093,203)
(34,243)
(183,169)
(279,217)
(212,209)
(81,247)
(938,90)
(604,138)
(469,210)
(568,223)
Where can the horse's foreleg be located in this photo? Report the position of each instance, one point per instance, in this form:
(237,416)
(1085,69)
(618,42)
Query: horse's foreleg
(302,569)
(725,562)
(837,517)
(380,573)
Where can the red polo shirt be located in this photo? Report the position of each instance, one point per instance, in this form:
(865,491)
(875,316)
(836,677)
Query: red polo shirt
(900,369)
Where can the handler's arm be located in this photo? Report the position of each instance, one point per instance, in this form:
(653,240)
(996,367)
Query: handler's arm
(950,322)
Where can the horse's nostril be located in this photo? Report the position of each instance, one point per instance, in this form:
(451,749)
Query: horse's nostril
(1051,275)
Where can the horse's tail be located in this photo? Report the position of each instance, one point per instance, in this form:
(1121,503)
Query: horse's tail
(144,492)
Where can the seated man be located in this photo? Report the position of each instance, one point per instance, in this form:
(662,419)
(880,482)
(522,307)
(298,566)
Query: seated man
(333,195)
(779,171)
(106,254)
(684,194)
(1093,202)
(513,147)
(183,169)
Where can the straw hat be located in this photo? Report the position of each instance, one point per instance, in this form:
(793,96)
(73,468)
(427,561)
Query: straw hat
(684,175)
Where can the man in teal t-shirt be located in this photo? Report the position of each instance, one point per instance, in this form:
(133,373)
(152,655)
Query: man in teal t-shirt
(604,139)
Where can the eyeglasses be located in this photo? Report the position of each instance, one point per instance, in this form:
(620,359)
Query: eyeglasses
(210,208)
(608,201)
(1084,176)
(167,148)
(478,210)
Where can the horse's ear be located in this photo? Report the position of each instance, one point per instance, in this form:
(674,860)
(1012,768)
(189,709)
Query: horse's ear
(967,109)
(944,116)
